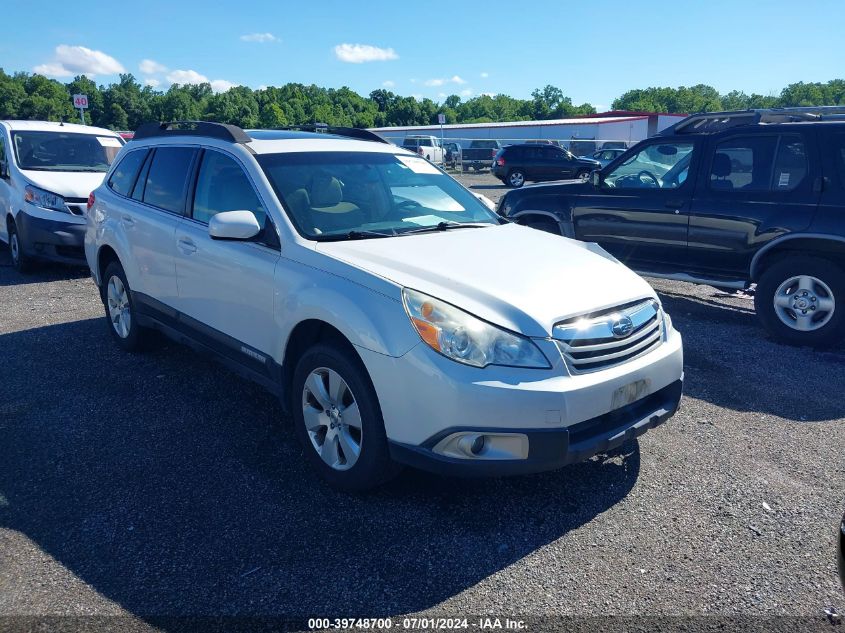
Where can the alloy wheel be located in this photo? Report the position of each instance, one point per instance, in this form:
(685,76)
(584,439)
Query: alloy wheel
(804,303)
(332,418)
(15,247)
(516,179)
(118,304)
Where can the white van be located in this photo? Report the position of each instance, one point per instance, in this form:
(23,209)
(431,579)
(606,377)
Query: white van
(47,171)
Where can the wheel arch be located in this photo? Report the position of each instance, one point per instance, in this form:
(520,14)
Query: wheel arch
(564,225)
(105,256)
(816,244)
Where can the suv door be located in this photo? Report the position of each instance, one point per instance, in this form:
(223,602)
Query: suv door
(639,212)
(149,218)
(227,286)
(556,164)
(755,187)
(5,186)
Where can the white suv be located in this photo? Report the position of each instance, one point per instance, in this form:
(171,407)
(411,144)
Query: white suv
(397,317)
(47,171)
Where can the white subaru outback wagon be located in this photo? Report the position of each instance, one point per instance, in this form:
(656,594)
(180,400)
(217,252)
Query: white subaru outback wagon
(398,318)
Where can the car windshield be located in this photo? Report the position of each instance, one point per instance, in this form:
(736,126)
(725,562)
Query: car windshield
(61,151)
(332,195)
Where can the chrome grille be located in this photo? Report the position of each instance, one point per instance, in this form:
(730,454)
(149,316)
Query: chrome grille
(610,337)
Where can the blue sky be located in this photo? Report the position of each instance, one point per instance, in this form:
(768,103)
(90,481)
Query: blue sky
(593,51)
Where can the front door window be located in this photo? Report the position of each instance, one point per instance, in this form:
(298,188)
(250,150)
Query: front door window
(656,166)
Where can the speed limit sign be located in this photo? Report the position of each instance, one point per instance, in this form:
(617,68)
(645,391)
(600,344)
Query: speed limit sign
(80,101)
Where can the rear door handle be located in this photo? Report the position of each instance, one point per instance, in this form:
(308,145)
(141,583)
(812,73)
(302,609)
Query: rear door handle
(186,246)
(675,204)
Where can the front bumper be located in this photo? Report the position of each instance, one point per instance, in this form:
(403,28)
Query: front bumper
(550,449)
(56,240)
(565,417)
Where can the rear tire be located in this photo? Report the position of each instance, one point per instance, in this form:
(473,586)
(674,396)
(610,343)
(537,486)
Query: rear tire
(338,419)
(800,300)
(515,178)
(121,316)
(20,261)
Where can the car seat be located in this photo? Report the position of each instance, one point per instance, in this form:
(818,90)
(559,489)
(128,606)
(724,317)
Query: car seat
(721,170)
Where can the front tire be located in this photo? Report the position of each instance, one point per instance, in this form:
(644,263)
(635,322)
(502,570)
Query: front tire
(800,300)
(20,261)
(338,419)
(121,315)
(583,175)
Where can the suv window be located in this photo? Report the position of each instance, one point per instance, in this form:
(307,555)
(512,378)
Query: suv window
(222,185)
(4,163)
(758,163)
(167,178)
(663,165)
(124,175)
(839,149)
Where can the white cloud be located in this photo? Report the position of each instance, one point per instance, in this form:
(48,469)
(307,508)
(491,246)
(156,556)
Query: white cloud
(488,94)
(188,77)
(388,83)
(79,60)
(418,97)
(466,93)
(441,95)
(360,53)
(263,87)
(152,82)
(259,37)
(151,67)
(455,79)
(221,85)
(52,70)
(485,75)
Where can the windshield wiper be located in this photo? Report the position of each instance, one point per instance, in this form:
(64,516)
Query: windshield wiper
(353,235)
(446,226)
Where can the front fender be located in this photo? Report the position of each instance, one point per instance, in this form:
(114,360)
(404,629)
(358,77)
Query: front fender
(367,318)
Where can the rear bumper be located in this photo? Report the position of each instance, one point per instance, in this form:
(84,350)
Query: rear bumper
(54,240)
(549,449)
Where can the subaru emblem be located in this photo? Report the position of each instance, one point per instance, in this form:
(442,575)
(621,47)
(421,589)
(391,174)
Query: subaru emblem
(622,327)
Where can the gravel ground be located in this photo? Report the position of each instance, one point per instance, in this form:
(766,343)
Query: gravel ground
(162,484)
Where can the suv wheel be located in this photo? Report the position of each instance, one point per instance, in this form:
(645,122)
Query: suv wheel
(20,261)
(516,178)
(338,419)
(801,301)
(583,175)
(120,310)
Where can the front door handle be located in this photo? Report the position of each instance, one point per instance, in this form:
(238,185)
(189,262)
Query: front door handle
(186,246)
(674,203)
(127,220)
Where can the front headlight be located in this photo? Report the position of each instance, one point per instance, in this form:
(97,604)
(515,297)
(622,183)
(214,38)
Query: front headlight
(44,199)
(467,339)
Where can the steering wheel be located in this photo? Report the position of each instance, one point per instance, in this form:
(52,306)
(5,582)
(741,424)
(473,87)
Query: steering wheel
(408,204)
(648,174)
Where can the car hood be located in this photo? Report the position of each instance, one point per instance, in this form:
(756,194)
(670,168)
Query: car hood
(519,278)
(590,162)
(68,184)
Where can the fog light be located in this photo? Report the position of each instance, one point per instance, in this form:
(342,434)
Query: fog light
(471,445)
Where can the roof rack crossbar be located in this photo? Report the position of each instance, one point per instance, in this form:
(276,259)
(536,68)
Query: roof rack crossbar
(209,129)
(349,132)
(713,121)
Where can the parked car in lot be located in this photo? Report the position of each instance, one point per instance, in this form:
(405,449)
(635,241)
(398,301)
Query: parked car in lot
(452,156)
(47,170)
(397,317)
(606,156)
(514,165)
(426,146)
(480,154)
(727,199)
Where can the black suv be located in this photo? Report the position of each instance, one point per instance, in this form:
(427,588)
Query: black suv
(726,199)
(515,164)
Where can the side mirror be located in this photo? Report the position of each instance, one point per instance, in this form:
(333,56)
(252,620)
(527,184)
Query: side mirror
(595,178)
(234,225)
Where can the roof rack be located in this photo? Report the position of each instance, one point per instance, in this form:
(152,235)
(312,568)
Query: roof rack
(717,121)
(350,132)
(222,131)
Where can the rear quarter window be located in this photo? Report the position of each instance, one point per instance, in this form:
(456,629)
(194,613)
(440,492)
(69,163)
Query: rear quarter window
(167,178)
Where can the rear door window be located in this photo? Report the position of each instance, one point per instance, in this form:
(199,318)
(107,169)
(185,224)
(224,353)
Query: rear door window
(839,156)
(168,177)
(758,163)
(123,177)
